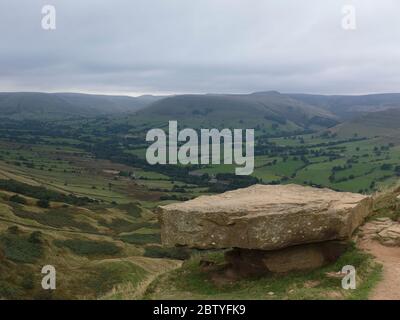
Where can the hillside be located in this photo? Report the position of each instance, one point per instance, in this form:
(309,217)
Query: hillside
(270,110)
(50,106)
(348,107)
(263,108)
(373,124)
(99,251)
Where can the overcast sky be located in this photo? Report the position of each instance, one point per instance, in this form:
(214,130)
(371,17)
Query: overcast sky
(200,46)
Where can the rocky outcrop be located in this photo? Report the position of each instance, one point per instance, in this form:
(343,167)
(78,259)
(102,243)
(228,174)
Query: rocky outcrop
(263,217)
(385,230)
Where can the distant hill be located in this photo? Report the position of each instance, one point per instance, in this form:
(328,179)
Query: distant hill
(268,111)
(228,109)
(49,106)
(380,123)
(350,107)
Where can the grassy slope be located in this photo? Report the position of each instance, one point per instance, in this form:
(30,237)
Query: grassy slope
(380,123)
(85,244)
(189,282)
(261,110)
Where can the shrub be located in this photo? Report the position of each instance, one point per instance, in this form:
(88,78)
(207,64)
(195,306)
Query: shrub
(59,217)
(140,239)
(386,166)
(20,249)
(36,237)
(43,203)
(2,255)
(17,199)
(13,230)
(7,290)
(171,253)
(28,281)
(119,225)
(132,209)
(89,247)
(42,193)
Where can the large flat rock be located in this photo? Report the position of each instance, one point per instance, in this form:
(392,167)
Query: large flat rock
(263,217)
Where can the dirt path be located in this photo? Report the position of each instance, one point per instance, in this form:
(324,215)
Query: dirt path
(154,266)
(389,257)
(166,266)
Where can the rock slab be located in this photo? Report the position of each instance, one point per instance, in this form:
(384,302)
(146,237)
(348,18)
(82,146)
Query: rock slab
(263,217)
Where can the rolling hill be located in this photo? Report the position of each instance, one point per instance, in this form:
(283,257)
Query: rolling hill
(54,106)
(262,108)
(270,111)
(373,124)
(350,107)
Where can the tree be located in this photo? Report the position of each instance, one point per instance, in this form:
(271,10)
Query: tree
(386,166)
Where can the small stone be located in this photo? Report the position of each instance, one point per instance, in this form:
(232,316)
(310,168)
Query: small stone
(390,236)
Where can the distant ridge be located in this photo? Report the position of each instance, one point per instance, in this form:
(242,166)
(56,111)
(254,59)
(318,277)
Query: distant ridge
(49,106)
(259,107)
(348,107)
(383,123)
(291,110)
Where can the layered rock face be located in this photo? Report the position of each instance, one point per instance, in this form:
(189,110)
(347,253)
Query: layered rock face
(263,217)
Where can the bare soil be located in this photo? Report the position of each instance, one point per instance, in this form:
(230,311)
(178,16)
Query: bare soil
(389,257)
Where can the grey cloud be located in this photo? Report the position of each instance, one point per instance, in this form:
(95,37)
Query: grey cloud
(179,46)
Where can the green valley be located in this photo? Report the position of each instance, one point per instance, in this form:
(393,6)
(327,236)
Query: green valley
(79,194)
